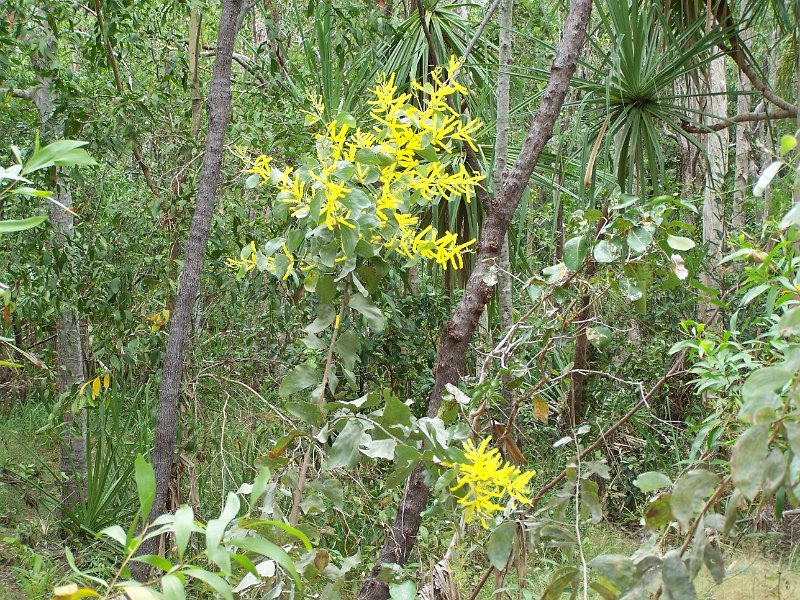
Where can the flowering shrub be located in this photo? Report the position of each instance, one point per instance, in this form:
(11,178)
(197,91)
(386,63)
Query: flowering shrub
(363,192)
(488,479)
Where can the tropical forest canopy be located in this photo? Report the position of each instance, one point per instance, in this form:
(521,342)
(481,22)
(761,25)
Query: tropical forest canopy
(430,299)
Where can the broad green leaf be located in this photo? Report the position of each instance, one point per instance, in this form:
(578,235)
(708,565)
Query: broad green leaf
(63,153)
(154,560)
(308,412)
(217,583)
(659,512)
(676,578)
(259,485)
(599,336)
(606,252)
(301,377)
(575,251)
(639,238)
(690,492)
(747,460)
(380,449)
(184,525)
(172,588)
(345,449)
(370,312)
(215,528)
(405,591)
(714,562)
(145,484)
(615,569)
(116,533)
(677,242)
(562,579)
(14,225)
(652,480)
(267,549)
(790,322)
(761,403)
(138,592)
(788,143)
(501,543)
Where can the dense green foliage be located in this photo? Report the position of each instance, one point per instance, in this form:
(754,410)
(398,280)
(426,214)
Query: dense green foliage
(648,382)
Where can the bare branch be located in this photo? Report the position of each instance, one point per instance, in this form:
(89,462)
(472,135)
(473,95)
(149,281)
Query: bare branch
(18,93)
(748,117)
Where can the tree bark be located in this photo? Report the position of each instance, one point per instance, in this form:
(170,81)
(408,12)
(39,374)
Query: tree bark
(717,149)
(219,106)
(501,154)
(742,177)
(458,332)
(69,353)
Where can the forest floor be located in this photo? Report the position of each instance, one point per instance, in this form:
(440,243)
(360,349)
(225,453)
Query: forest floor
(764,566)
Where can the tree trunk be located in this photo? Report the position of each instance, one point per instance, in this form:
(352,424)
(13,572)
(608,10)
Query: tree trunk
(504,289)
(459,330)
(742,177)
(717,149)
(219,106)
(69,353)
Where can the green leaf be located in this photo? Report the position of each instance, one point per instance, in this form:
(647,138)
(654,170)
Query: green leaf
(308,412)
(616,570)
(405,591)
(217,583)
(184,525)
(116,533)
(345,449)
(63,153)
(652,480)
(145,484)
(575,251)
(676,578)
(659,512)
(788,143)
(370,312)
(215,528)
(14,225)
(639,238)
(259,485)
(267,549)
(501,543)
(562,579)
(747,460)
(172,588)
(690,492)
(380,449)
(677,242)
(606,252)
(761,403)
(301,377)
(715,563)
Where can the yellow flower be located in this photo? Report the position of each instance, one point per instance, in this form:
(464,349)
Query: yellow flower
(261,167)
(488,479)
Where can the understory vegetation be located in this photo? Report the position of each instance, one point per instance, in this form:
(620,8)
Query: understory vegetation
(400,299)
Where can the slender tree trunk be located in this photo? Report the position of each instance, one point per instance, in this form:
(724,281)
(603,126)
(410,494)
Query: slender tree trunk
(195,24)
(69,353)
(717,149)
(458,332)
(742,176)
(219,106)
(504,289)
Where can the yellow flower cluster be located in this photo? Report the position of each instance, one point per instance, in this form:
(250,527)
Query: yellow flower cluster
(251,257)
(405,158)
(488,479)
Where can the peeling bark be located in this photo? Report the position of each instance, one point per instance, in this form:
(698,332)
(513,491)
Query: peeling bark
(458,332)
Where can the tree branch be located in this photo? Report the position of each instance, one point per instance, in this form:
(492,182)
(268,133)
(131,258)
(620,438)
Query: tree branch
(736,50)
(748,117)
(18,93)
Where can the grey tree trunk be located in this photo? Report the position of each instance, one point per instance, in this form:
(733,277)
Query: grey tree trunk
(69,352)
(504,289)
(713,213)
(742,177)
(458,332)
(219,106)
